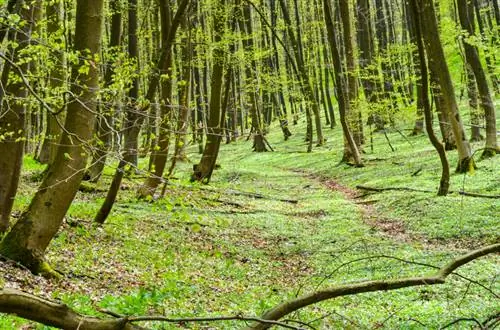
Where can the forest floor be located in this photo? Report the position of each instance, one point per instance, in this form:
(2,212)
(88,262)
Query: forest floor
(274,225)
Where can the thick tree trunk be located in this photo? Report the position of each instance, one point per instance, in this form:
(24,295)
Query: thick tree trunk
(30,236)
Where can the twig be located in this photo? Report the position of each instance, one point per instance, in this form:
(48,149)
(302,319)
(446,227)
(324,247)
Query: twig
(461,192)
(463,319)
(254,195)
(212,319)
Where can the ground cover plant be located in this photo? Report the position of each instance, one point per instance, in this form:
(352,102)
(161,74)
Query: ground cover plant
(275,225)
(249,164)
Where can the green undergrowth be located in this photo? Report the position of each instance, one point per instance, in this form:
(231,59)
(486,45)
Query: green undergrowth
(271,226)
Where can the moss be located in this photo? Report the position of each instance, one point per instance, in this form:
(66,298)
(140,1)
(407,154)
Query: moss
(465,165)
(45,270)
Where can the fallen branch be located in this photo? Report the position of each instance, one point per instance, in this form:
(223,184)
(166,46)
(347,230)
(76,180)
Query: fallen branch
(59,315)
(464,193)
(55,314)
(238,205)
(254,195)
(291,306)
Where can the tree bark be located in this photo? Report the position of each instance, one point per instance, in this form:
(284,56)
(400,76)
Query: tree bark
(57,80)
(305,81)
(354,119)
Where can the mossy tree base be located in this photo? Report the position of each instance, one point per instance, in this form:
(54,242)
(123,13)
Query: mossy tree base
(259,144)
(464,165)
(489,153)
(45,270)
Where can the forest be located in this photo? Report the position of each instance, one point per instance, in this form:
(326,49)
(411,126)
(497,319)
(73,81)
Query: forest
(249,164)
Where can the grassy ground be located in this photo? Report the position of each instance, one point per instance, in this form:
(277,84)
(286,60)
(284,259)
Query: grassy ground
(218,250)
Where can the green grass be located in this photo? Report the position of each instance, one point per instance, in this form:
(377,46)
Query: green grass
(204,251)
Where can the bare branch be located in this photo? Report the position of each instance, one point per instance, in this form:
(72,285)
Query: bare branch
(55,314)
(61,316)
(288,307)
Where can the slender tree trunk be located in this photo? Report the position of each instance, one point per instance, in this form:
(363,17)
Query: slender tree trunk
(184,109)
(466,15)
(106,117)
(489,56)
(445,167)
(12,118)
(251,70)
(161,67)
(203,171)
(418,128)
(160,152)
(437,64)
(475,117)
(305,82)
(355,117)
(342,89)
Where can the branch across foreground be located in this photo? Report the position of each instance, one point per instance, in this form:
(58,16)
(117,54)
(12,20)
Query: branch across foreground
(59,315)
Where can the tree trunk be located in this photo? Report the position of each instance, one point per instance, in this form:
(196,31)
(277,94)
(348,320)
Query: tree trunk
(354,118)
(160,152)
(106,117)
(203,171)
(444,183)
(30,236)
(305,81)
(475,117)
(184,97)
(138,113)
(437,64)
(342,92)
(466,14)
(251,70)
(12,118)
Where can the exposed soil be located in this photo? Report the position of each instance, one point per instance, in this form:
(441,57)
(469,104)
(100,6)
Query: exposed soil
(393,228)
